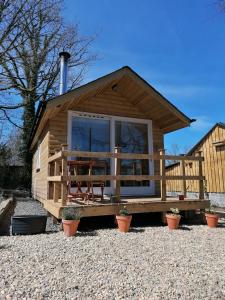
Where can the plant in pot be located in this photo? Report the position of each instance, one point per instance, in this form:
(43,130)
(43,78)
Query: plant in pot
(70,219)
(123,220)
(211,217)
(184,195)
(181,196)
(173,218)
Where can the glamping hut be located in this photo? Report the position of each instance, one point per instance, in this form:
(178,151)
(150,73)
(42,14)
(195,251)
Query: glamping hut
(100,146)
(212,147)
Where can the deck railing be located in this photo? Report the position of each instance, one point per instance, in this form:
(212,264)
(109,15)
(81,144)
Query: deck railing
(58,173)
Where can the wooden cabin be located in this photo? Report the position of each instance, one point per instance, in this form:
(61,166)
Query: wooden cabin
(212,147)
(114,126)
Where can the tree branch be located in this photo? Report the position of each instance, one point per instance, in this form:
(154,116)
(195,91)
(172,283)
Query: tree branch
(9,119)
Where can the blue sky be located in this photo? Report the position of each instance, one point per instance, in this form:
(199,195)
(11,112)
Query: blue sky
(178,46)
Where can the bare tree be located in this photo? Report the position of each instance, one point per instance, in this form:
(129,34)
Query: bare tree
(14,144)
(176,149)
(29,63)
(10,14)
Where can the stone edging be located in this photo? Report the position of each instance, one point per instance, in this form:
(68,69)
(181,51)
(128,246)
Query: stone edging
(5,206)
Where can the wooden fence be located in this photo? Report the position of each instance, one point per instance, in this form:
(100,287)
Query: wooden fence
(58,171)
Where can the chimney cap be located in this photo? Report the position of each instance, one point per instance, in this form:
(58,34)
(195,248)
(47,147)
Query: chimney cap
(65,54)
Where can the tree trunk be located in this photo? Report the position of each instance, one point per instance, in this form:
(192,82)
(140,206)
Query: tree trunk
(28,120)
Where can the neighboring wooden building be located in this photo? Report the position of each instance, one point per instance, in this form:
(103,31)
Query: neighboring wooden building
(117,110)
(212,148)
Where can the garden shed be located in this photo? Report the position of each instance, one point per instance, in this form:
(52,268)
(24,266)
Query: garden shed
(212,148)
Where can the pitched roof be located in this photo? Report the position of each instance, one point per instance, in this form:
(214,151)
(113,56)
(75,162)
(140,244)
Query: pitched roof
(115,78)
(128,70)
(191,151)
(196,146)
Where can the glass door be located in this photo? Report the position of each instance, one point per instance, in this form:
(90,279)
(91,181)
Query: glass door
(133,137)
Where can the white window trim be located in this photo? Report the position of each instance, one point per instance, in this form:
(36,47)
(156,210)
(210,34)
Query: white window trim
(112,119)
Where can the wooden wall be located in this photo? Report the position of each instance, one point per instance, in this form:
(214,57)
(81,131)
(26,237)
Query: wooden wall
(110,103)
(213,165)
(191,169)
(58,131)
(117,106)
(39,177)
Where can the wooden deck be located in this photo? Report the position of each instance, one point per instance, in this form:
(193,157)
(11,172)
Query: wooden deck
(134,205)
(58,179)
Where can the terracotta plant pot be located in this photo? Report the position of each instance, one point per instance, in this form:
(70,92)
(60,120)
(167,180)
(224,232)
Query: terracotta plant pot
(212,220)
(124,223)
(173,221)
(70,227)
(181,197)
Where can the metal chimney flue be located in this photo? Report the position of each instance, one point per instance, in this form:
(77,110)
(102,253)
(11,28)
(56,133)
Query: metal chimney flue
(64,58)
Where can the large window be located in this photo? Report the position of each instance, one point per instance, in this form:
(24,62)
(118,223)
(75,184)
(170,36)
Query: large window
(98,133)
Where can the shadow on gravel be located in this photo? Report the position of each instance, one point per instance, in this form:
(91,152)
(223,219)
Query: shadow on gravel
(94,223)
(185,228)
(146,219)
(3,247)
(51,231)
(136,230)
(108,222)
(221,225)
(87,233)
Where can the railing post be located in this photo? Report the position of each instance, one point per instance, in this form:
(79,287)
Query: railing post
(117,171)
(56,184)
(162,174)
(200,173)
(184,185)
(64,173)
(49,194)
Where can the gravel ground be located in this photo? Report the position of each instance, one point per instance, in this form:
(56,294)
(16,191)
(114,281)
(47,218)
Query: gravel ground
(28,206)
(147,263)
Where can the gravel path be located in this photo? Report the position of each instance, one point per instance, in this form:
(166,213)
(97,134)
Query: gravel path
(147,263)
